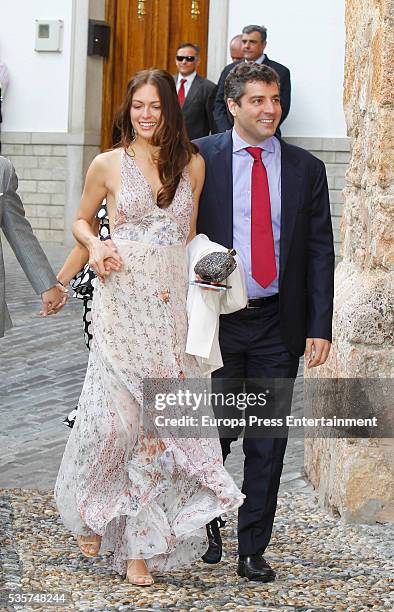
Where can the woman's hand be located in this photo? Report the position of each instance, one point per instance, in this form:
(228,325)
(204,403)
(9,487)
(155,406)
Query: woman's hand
(104,258)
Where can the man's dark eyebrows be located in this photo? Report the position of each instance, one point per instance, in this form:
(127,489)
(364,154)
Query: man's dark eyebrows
(263,96)
(254,40)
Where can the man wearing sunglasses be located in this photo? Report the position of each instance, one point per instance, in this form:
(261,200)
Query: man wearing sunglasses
(194,92)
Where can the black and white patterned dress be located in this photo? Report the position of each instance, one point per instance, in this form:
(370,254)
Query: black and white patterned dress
(83,284)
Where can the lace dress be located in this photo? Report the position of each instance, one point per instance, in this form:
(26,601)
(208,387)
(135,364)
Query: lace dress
(149,498)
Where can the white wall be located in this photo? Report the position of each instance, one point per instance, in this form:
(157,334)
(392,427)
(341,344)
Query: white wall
(37,98)
(307,36)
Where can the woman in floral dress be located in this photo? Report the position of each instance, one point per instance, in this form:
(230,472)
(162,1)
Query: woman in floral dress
(119,488)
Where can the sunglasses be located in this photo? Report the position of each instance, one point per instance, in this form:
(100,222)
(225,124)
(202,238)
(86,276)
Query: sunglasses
(188,58)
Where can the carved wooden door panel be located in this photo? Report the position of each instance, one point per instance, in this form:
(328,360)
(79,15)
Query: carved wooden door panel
(145,34)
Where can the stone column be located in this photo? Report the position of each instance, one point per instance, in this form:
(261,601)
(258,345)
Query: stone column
(355,476)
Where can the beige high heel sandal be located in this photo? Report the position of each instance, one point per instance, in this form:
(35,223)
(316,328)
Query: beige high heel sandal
(89,545)
(138,579)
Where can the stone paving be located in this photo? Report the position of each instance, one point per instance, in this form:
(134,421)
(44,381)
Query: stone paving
(321,563)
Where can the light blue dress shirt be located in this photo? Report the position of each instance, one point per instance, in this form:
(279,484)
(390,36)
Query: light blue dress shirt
(242,183)
(260,59)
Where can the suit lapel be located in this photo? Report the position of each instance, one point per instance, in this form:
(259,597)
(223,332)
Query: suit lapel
(192,91)
(222,166)
(290,201)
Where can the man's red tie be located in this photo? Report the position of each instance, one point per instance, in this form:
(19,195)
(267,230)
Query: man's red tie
(181,92)
(262,239)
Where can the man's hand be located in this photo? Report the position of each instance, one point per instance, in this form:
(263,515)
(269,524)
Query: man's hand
(316,351)
(53,300)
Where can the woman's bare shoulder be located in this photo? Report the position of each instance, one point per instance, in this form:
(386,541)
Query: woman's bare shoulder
(104,165)
(106,159)
(197,166)
(197,162)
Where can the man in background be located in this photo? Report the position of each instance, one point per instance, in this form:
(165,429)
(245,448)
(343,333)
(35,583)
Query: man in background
(254,42)
(194,91)
(236,48)
(27,249)
(236,54)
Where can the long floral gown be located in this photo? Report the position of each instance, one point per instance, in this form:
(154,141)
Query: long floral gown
(147,497)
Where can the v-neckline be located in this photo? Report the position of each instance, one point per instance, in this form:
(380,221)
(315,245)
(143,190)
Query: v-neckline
(154,197)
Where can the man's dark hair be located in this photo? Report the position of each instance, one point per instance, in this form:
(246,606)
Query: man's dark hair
(189,44)
(256,28)
(234,85)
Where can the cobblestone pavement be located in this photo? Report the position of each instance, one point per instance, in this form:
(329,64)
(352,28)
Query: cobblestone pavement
(321,564)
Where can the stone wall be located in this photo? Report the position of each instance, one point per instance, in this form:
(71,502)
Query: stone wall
(51,170)
(335,153)
(41,170)
(355,477)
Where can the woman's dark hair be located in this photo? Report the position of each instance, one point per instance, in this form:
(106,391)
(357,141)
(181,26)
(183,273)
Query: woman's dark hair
(175,148)
(116,132)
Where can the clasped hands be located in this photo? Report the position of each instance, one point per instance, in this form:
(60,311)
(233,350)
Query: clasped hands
(53,300)
(104,258)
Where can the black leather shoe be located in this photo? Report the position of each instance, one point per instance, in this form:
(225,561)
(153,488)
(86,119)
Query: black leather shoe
(255,567)
(214,552)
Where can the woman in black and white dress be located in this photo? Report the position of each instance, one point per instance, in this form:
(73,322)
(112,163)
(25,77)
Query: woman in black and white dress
(77,272)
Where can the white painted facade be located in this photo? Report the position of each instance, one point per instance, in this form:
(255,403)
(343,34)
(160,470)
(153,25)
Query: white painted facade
(37,98)
(51,126)
(308,37)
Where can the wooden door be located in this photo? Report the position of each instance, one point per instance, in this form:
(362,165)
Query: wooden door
(145,34)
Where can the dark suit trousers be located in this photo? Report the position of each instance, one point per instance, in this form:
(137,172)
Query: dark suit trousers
(252,348)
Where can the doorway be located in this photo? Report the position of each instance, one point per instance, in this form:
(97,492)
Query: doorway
(145,34)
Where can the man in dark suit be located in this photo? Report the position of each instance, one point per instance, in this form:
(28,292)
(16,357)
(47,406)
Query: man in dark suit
(236,48)
(269,201)
(194,92)
(254,42)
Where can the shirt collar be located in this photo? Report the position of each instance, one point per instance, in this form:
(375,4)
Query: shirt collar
(258,61)
(239,143)
(189,78)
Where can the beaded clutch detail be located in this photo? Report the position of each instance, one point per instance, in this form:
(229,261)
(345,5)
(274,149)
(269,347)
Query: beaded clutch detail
(216,267)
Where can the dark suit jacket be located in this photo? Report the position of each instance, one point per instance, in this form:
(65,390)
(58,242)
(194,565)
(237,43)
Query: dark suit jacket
(223,121)
(197,109)
(306,270)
